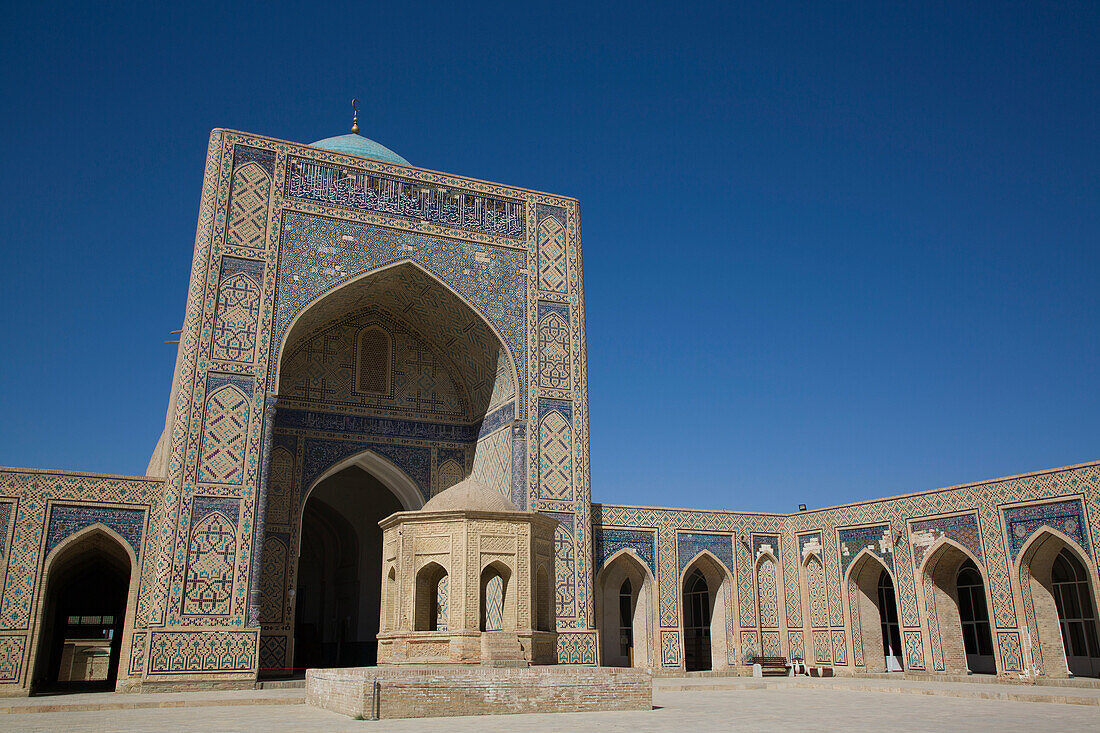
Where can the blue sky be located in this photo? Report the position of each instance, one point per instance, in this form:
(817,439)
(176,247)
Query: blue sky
(832,251)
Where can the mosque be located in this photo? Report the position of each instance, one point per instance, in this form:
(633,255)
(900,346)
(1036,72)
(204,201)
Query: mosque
(362,334)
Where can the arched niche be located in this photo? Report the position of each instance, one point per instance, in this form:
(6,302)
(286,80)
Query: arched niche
(706,603)
(815,614)
(626,621)
(957,615)
(90,584)
(1063,634)
(498,603)
(872,605)
(430,598)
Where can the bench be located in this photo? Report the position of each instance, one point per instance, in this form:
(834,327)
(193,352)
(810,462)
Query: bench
(772,665)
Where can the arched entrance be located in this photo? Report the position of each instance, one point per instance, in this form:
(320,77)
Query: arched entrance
(957,611)
(82,622)
(696,622)
(974,619)
(1060,605)
(391,388)
(873,615)
(1076,614)
(624,612)
(340,571)
(888,617)
(706,602)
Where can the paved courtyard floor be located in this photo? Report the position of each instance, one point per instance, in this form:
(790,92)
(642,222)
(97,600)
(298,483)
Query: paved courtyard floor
(683,712)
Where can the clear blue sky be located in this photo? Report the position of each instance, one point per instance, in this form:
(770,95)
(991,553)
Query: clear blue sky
(832,251)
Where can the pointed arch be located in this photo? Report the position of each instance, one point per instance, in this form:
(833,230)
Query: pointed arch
(873,618)
(714,618)
(626,627)
(1063,638)
(430,598)
(373,360)
(300,321)
(955,649)
(86,550)
(768,616)
(390,474)
(498,601)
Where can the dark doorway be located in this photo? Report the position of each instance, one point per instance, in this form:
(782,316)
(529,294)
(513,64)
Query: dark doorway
(888,616)
(696,623)
(1076,615)
(80,640)
(340,571)
(974,616)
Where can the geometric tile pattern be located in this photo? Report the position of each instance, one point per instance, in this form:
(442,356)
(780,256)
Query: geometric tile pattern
(11,657)
(840,655)
(273,579)
(914,650)
(768,595)
(211,557)
(822,647)
(576,647)
(670,648)
(201,652)
(769,643)
(238,314)
(606,541)
(932,623)
(815,592)
(553,270)
(228,406)
(556,456)
(248,207)
(856,624)
(794,644)
(68,520)
(690,544)
(1064,516)
(565,599)
(555,363)
(1012,656)
(962,528)
(875,539)
(749,646)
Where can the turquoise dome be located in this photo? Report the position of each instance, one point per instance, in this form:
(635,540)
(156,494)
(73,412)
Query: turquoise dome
(352,144)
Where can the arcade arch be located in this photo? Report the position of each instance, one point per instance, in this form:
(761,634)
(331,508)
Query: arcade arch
(90,581)
(873,614)
(957,608)
(392,379)
(706,605)
(1060,583)
(625,612)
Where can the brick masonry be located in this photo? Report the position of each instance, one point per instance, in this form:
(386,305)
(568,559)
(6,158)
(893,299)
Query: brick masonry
(427,692)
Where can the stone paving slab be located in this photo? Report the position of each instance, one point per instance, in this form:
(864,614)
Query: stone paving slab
(816,710)
(90,701)
(1016,692)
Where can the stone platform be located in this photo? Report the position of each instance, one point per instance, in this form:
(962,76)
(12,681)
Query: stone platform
(436,691)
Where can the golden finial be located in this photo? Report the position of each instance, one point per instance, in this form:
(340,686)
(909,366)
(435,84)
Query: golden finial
(355,118)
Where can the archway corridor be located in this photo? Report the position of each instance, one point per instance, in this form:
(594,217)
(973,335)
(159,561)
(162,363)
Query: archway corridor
(340,571)
(83,618)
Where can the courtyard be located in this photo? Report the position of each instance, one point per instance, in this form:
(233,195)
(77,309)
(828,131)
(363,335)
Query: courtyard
(839,705)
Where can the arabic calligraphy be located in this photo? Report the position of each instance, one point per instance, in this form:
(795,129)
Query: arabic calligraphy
(360,190)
